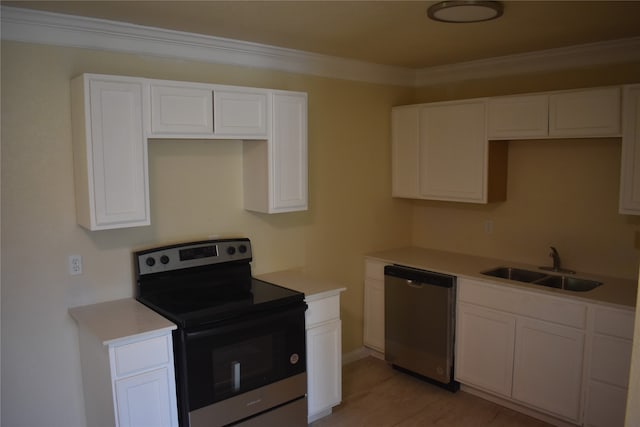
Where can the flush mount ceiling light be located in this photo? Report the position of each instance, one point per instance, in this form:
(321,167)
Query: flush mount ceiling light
(465,11)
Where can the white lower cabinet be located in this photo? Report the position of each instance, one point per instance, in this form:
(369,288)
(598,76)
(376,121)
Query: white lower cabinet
(325,386)
(608,373)
(502,350)
(485,348)
(324,356)
(143,382)
(555,355)
(547,372)
(142,400)
(374,305)
(126,356)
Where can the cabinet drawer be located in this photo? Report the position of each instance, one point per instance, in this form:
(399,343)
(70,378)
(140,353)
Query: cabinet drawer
(374,269)
(141,355)
(617,323)
(323,310)
(523,303)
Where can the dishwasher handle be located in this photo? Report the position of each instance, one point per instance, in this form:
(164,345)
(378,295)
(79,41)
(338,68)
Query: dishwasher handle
(417,278)
(417,285)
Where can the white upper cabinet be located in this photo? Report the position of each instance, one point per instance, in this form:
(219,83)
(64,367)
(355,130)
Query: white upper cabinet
(404,146)
(440,152)
(585,113)
(518,117)
(191,110)
(110,153)
(630,166)
(113,117)
(240,114)
(178,110)
(275,171)
(453,151)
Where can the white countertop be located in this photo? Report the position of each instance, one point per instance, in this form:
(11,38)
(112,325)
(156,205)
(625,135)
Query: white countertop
(312,287)
(616,291)
(115,320)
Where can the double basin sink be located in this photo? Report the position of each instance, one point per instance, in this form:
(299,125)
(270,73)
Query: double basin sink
(568,283)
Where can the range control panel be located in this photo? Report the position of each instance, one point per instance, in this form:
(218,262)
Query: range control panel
(192,254)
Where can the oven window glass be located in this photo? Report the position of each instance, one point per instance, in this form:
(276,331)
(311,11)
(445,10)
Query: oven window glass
(243,356)
(247,363)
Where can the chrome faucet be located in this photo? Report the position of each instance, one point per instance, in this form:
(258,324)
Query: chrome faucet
(556,263)
(556,258)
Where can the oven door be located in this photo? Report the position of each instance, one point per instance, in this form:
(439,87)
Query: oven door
(244,354)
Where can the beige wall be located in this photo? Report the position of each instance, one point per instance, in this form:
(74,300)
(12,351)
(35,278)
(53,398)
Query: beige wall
(196,192)
(561,193)
(195,189)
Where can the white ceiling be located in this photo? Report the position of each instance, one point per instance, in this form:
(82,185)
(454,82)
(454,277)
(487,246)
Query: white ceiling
(396,33)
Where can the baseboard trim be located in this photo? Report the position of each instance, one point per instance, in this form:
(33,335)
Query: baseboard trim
(519,408)
(360,353)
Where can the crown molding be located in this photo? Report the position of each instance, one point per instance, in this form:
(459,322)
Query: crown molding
(585,55)
(31,26)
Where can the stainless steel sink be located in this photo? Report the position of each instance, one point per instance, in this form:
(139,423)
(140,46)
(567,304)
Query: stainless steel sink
(517,274)
(568,283)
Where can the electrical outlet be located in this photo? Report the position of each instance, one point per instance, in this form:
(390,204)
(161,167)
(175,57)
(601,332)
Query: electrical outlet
(75,265)
(488,226)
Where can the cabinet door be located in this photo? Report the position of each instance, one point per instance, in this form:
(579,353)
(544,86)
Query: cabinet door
(181,111)
(110,153)
(610,360)
(404,151)
(484,348)
(453,152)
(630,159)
(606,405)
(374,314)
(324,367)
(548,367)
(275,171)
(513,117)
(289,152)
(240,114)
(144,400)
(588,113)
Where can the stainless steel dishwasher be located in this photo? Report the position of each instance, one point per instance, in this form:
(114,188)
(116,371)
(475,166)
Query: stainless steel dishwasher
(420,323)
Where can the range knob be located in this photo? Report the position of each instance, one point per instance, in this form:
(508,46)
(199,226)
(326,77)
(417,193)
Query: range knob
(150,261)
(164,259)
(231,250)
(242,249)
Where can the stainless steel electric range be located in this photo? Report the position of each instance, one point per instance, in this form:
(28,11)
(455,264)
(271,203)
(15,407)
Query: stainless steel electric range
(239,348)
